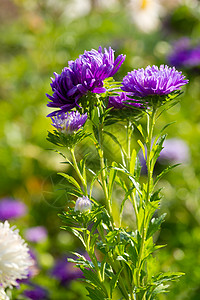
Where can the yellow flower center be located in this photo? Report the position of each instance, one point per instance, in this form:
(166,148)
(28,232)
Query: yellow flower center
(144,4)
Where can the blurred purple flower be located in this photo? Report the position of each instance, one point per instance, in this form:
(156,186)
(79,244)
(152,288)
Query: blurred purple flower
(69,122)
(184,54)
(175,151)
(36,234)
(65,271)
(153,81)
(84,74)
(32,270)
(11,209)
(36,293)
(117,102)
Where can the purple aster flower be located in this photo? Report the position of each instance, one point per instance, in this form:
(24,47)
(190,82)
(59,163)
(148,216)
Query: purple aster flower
(153,81)
(36,293)
(70,122)
(85,74)
(65,271)
(10,209)
(117,102)
(184,54)
(36,234)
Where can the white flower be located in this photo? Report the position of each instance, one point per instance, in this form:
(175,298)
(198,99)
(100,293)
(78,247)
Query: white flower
(83,204)
(145,14)
(3,295)
(14,256)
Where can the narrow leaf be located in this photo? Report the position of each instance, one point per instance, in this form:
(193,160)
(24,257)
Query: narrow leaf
(71,180)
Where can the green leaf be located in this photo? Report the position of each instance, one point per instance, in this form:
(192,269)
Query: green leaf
(164,172)
(92,277)
(139,127)
(112,176)
(75,232)
(74,192)
(94,179)
(123,153)
(154,225)
(114,281)
(71,180)
(133,161)
(83,166)
(95,294)
(141,213)
(156,149)
(128,193)
(93,241)
(142,147)
(155,196)
(168,276)
(131,177)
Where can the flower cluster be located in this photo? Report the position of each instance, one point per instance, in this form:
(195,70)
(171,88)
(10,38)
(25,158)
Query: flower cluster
(70,122)
(153,81)
(85,74)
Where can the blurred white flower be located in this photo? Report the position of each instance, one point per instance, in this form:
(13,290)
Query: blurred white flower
(146,14)
(108,4)
(14,256)
(3,295)
(76,9)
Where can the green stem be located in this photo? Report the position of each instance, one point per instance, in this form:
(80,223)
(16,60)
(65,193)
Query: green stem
(121,285)
(103,174)
(150,127)
(129,132)
(76,168)
(128,136)
(93,259)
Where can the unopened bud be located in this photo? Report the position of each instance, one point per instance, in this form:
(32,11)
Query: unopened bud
(83,204)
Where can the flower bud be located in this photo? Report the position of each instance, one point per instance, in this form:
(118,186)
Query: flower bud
(83,204)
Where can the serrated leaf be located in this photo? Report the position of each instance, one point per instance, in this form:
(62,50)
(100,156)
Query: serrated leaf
(154,225)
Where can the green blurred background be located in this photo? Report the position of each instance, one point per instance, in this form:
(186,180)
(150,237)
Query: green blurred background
(37,39)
